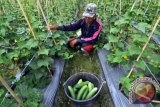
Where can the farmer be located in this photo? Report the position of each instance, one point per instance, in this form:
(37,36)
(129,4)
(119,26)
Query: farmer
(90,29)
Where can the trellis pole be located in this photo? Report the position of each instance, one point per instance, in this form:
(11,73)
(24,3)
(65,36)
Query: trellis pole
(20,102)
(120,7)
(30,27)
(45,19)
(144,47)
(134,4)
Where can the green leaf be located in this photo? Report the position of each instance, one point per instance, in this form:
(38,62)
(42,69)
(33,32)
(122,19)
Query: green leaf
(113,39)
(43,52)
(56,35)
(114,30)
(3,31)
(30,103)
(121,22)
(42,63)
(32,43)
(62,42)
(139,38)
(13,54)
(117,59)
(1,60)
(45,62)
(140,64)
(20,30)
(142,25)
(2,51)
(1,92)
(38,75)
(120,44)
(34,65)
(107,46)
(134,50)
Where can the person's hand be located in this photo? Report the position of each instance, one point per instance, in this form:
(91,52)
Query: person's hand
(73,42)
(51,27)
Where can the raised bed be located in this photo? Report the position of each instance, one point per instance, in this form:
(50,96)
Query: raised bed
(112,75)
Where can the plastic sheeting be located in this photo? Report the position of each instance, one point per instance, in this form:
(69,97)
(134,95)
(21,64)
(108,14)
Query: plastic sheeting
(112,75)
(50,93)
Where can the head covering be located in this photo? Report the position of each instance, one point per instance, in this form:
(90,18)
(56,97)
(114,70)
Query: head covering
(90,10)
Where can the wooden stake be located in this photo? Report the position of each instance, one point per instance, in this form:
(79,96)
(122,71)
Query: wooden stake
(144,47)
(20,102)
(26,19)
(134,4)
(120,6)
(45,19)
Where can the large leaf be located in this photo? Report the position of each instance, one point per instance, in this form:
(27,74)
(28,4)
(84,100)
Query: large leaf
(32,43)
(112,38)
(139,38)
(1,92)
(62,42)
(15,53)
(2,51)
(107,46)
(140,64)
(142,25)
(3,31)
(20,30)
(45,62)
(134,50)
(114,30)
(121,22)
(43,52)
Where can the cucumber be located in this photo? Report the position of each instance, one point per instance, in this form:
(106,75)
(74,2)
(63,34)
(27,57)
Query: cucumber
(81,91)
(71,91)
(85,93)
(81,84)
(80,81)
(91,93)
(90,86)
(75,90)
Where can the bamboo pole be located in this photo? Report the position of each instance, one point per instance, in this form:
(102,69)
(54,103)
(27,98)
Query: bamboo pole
(134,4)
(20,102)
(120,7)
(3,7)
(45,19)
(144,47)
(30,27)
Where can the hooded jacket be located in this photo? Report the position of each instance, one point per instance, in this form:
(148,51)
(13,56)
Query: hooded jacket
(89,34)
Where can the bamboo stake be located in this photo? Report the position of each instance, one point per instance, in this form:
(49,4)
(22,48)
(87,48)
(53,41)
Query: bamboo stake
(120,6)
(20,102)
(134,4)
(26,19)
(3,7)
(144,47)
(114,9)
(37,9)
(45,19)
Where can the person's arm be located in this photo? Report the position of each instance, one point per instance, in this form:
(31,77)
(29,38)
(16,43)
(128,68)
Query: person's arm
(68,27)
